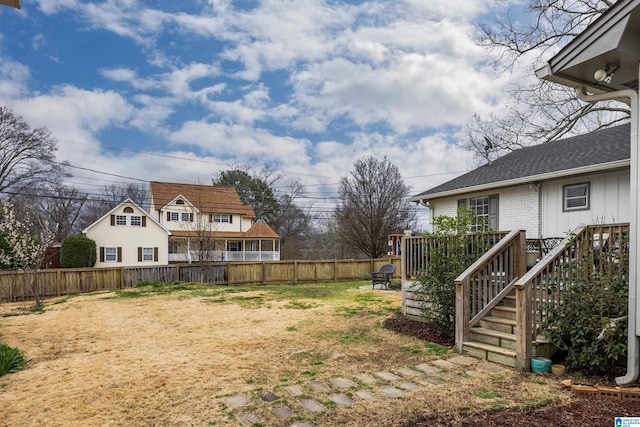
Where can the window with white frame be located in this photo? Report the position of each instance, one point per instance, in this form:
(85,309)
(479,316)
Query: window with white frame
(186,216)
(174,216)
(575,197)
(136,221)
(147,254)
(234,246)
(110,254)
(121,220)
(226,218)
(480,208)
(173,247)
(485,209)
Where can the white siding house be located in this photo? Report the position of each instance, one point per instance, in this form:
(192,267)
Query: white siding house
(128,237)
(548,189)
(210,223)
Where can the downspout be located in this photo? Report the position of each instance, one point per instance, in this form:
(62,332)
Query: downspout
(540,209)
(629,97)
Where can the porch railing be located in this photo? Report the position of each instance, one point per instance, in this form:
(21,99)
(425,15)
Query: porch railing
(487,281)
(416,250)
(546,281)
(227,256)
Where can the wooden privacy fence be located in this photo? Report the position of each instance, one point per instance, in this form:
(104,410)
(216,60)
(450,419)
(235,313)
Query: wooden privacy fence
(20,286)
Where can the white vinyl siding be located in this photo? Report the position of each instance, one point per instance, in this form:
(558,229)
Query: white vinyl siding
(128,238)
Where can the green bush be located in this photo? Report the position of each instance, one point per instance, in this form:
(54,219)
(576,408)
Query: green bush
(590,321)
(455,249)
(11,360)
(78,252)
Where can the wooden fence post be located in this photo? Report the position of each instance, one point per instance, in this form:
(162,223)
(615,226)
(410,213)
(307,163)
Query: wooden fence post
(58,281)
(462,313)
(524,343)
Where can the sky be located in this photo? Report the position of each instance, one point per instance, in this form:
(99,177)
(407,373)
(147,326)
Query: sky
(179,91)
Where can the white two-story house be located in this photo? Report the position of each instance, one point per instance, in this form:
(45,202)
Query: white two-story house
(210,223)
(127,236)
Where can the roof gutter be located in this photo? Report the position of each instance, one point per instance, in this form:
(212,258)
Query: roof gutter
(618,164)
(630,97)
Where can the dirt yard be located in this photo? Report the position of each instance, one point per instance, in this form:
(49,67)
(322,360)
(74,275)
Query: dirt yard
(169,356)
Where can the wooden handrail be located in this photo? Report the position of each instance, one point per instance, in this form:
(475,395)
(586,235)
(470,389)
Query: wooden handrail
(546,281)
(482,261)
(539,267)
(485,282)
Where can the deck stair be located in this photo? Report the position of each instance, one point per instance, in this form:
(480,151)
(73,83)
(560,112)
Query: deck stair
(494,338)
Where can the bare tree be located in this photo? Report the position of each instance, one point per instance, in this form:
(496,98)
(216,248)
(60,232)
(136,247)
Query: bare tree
(57,205)
(120,191)
(538,111)
(373,204)
(202,247)
(27,156)
(322,242)
(292,222)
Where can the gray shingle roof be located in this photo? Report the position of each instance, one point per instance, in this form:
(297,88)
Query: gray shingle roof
(599,147)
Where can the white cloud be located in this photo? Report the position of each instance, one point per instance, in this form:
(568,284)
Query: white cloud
(13,81)
(380,78)
(238,142)
(75,117)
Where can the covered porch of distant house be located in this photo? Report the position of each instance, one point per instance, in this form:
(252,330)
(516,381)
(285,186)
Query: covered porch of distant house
(188,249)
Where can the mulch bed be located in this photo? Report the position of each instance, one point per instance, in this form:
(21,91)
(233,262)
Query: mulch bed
(583,411)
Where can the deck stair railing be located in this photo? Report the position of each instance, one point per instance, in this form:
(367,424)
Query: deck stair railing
(487,281)
(545,282)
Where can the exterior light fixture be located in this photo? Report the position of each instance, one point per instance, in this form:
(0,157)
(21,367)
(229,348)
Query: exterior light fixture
(606,75)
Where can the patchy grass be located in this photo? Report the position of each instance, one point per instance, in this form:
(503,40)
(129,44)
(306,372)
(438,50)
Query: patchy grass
(180,348)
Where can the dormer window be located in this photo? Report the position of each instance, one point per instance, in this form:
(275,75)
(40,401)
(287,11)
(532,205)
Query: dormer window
(128,209)
(136,221)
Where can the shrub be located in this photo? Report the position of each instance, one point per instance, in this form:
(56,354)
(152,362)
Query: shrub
(590,322)
(78,252)
(451,253)
(11,359)
(8,248)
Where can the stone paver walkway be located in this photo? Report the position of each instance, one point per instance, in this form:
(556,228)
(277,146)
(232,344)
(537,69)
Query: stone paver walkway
(318,396)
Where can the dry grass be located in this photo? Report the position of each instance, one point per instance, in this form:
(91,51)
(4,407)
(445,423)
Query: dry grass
(169,356)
